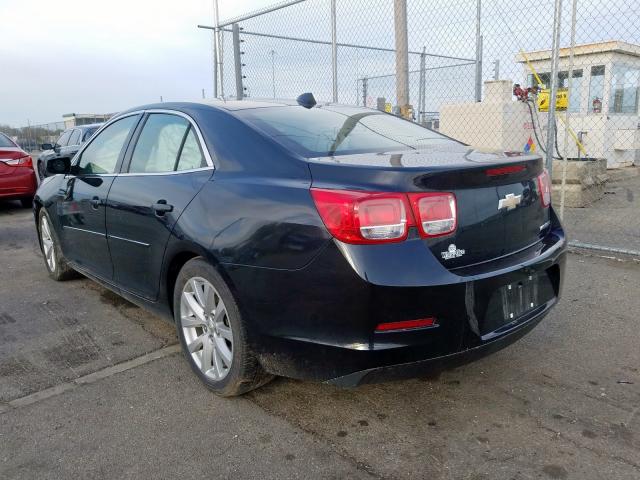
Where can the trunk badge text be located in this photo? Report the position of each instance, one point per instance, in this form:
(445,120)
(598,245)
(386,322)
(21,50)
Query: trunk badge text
(452,252)
(510,201)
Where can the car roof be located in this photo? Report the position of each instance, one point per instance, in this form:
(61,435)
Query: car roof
(236,105)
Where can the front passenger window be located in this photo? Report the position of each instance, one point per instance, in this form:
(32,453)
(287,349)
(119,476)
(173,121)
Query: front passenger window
(101,156)
(157,148)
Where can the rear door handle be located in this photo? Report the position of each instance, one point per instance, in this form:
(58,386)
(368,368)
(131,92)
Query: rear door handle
(162,207)
(95,203)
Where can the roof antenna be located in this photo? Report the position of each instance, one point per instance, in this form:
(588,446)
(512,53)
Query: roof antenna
(306,100)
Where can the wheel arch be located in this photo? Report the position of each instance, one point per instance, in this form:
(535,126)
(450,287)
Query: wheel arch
(177,259)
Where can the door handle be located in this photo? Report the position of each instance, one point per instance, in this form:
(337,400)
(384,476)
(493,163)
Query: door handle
(95,203)
(162,207)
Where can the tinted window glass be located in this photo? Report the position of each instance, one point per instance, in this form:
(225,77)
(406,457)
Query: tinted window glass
(101,156)
(322,131)
(159,143)
(6,142)
(75,138)
(191,156)
(64,139)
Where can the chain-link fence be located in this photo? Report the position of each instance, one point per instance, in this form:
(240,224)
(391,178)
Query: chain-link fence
(483,73)
(31,137)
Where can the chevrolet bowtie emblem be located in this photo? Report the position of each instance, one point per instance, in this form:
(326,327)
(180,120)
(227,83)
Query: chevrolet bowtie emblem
(510,201)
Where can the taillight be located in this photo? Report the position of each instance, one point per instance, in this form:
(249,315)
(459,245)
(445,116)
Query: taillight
(364,217)
(377,217)
(435,212)
(544,187)
(23,162)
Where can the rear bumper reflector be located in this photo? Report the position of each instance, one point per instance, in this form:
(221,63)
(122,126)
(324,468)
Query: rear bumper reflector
(407,324)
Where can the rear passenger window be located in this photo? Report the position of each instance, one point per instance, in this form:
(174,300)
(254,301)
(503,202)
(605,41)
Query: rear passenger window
(64,139)
(191,156)
(159,144)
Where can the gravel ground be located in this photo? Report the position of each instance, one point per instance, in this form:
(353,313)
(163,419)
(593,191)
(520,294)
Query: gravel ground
(563,403)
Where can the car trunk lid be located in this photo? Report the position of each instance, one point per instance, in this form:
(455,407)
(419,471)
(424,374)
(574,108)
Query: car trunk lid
(499,207)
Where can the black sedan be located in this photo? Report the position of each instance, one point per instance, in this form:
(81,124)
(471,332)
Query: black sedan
(324,242)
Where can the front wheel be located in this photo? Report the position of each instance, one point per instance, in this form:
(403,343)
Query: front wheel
(212,332)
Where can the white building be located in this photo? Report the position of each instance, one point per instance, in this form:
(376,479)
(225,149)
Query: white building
(603,102)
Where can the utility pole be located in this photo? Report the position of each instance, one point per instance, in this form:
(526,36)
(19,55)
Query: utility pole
(402,57)
(273,72)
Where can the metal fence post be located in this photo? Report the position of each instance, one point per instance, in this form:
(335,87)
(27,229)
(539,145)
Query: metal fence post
(422,87)
(551,117)
(365,92)
(334,52)
(215,64)
(496,69)
(478,84)
(567,120)
(237,61)
(402,56)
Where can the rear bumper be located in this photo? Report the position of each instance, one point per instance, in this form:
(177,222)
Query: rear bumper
(19,184)
(444,362)
(318,323)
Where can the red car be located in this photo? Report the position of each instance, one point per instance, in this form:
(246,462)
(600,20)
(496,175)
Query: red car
(17,177)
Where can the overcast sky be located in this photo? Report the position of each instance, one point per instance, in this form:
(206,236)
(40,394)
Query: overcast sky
(78,56)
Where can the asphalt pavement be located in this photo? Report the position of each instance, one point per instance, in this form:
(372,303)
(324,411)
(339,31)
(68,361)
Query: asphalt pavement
(93,387)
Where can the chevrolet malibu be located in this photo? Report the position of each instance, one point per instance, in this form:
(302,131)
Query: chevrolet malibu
(320,242)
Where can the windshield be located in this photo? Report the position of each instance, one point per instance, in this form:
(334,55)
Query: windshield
(326,131)
(6,141)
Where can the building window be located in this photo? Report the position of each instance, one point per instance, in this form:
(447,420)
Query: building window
(624,89)
(596,89)
(576,88)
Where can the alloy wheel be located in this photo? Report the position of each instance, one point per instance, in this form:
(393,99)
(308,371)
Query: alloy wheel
(47,244)
(206,328)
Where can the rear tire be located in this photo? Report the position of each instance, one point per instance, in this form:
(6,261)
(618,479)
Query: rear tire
(57,266)
(212,332)
(26,202)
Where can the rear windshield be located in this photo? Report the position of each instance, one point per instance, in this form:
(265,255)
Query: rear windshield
(6,141)
(326,131)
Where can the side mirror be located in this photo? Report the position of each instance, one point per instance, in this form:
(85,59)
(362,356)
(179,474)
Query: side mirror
(57,166)
(46,146)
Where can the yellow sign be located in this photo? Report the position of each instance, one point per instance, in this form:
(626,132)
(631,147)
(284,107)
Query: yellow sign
(562,99)
(387,107)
